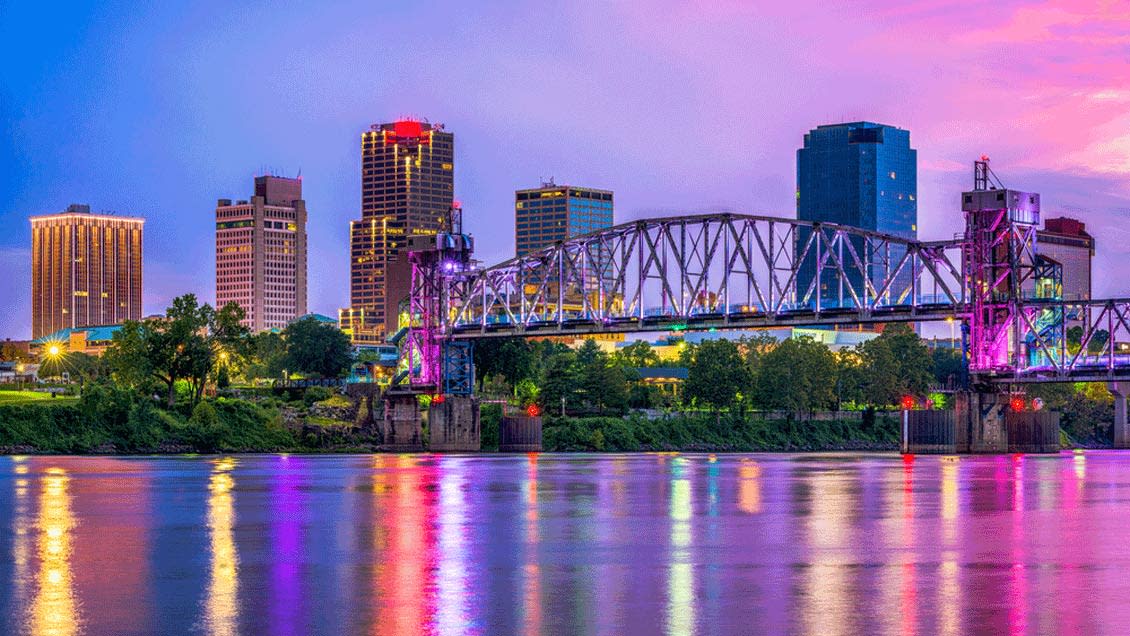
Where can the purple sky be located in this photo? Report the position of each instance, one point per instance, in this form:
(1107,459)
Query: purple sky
(158,111)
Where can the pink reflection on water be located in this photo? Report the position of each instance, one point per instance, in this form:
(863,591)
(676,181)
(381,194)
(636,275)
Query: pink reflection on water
(404,581)
(286,609)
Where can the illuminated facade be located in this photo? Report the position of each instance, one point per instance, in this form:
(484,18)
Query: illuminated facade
(862,175)
(261,253)
(552,213)
(1067,242)
(85,270)
(407,188)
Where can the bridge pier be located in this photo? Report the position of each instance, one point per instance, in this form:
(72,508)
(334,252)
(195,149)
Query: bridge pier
(453,425)
(1121,433)
(400,429)
(982,422)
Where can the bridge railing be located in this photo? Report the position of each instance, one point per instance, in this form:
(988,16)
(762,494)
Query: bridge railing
(710,268)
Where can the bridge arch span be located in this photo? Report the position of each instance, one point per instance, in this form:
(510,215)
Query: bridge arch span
(708,271)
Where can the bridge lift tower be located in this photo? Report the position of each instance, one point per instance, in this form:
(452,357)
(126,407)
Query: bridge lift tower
(432,363)
(1000,260)
(439,262)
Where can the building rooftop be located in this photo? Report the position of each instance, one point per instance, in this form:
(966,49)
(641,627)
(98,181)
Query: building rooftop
(1066,226)
(656,373)
(319,317)
(82,210)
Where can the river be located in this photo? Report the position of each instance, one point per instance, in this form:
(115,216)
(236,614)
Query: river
(819,544)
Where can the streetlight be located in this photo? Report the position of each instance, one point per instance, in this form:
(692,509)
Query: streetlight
(53,355)
(953,336)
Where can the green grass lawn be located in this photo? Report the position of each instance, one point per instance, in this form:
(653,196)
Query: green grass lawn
(24,397)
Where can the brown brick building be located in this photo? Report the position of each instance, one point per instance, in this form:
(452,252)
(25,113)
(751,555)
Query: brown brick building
(261,253)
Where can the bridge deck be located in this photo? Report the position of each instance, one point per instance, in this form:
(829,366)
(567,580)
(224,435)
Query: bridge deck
(706,322)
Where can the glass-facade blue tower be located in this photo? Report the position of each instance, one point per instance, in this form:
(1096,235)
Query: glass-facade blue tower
(859,174)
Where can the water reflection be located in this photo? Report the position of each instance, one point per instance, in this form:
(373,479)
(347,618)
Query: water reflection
(949,593)
(287,606)
(221,604)
(21,534)
(680,572)
(54,610)
(826,610)
(749,488)
(554,545)
(531,574)
(451,576)
(403,578)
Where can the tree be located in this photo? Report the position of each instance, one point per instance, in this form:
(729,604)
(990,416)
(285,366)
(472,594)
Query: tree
(183,345)
(9,352)
(798,375)
(948,366)
(511,358)
(603,384)
(754,348)
(716,374)
(897,363)
(267,357)
(638,355)
(559,382)
(316,348)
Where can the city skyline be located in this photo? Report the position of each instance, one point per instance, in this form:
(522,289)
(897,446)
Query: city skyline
(959,102)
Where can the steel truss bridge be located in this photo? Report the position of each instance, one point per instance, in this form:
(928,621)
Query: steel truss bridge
(735,271)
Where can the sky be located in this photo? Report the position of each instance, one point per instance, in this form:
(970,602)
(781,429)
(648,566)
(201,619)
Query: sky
(159,109)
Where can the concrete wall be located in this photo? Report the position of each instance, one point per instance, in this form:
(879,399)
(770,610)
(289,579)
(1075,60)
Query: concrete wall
(453,425)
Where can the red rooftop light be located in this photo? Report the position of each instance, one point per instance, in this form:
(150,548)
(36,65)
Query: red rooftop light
(408,128)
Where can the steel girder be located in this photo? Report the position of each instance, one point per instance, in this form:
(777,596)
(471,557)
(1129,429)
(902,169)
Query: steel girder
(1080,341)
(709,270)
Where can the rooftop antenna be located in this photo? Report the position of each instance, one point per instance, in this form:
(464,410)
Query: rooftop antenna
(983,177)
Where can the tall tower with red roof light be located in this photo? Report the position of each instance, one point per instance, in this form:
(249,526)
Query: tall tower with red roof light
(407,188)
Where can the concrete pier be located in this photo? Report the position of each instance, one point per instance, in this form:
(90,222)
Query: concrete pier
(519,434)
(979,418)
(1121,391)
(400,430)
(453,425)
(981,422)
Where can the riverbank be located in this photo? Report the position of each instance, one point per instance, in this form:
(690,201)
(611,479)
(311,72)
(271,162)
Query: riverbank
(107,421)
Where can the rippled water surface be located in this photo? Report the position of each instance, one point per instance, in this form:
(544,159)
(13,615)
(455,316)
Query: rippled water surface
(566,544)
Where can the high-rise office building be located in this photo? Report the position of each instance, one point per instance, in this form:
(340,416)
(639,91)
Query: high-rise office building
(863,175)
(261,253)
(85,270)
(1066,242)
(407,188)
(553,213)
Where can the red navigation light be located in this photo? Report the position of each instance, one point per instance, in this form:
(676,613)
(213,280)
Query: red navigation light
(1018,404)
(533,410)
(408,128)
(907,402)
(438,399)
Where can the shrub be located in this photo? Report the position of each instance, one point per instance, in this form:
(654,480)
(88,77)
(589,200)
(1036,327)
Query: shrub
(316,394)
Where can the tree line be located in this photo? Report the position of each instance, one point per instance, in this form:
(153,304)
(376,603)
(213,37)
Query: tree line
(799,375)
(193,345)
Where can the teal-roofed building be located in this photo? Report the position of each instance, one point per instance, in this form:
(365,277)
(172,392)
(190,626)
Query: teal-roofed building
(90,340)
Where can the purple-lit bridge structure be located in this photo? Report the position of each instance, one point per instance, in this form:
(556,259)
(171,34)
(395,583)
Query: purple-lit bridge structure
(735,271)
